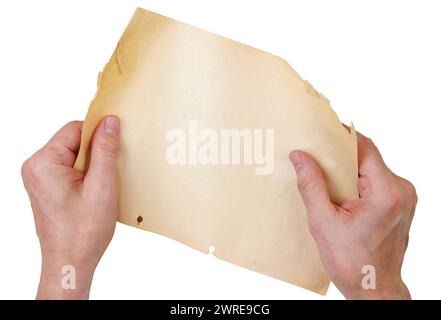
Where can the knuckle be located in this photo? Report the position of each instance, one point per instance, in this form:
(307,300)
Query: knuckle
(29,169)
(394,200)
(305,184)
(25,167)
(59,154)
(411,192)
(108,148)
(370,141)
(373,145)
(75,124)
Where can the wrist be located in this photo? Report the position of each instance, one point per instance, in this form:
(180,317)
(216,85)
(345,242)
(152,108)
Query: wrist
(64,278)
(397,291)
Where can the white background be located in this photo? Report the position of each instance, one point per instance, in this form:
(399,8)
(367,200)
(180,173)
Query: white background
(377,61)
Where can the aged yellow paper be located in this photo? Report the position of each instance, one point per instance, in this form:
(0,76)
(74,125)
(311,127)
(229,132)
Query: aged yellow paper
(207,124)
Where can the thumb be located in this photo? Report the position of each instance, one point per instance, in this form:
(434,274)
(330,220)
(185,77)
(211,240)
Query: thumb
(104,152)
(311,184)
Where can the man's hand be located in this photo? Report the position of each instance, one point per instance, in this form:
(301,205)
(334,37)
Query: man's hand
(75,214)
(370,231)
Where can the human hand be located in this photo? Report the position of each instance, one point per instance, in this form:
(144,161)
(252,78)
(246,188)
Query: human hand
(370,231)
(75,213)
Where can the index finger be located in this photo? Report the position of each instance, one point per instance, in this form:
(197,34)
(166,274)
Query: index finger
(66,143)
(370,160)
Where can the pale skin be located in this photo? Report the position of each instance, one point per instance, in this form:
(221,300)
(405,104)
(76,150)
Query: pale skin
(75,214)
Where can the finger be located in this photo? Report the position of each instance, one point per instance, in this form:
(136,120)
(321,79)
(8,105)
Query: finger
(370,160)
(69,136)
(62,148)
(101,176)
(311,184)
(375,177)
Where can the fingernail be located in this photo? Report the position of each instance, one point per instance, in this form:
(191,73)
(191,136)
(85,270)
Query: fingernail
(296,158)
(111,125)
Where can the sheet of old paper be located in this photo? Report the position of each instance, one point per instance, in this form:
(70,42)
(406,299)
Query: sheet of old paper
(206,128)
